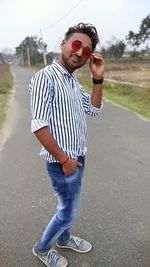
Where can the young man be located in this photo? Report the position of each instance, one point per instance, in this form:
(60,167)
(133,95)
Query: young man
(59,106)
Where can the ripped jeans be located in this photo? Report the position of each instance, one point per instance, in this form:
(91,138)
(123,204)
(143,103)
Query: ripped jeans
(67,190)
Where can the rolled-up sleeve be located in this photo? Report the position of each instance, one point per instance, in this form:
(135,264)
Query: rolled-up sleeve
(41,100)
(88,107)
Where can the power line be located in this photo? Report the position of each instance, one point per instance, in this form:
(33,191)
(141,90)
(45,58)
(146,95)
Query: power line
(65,15)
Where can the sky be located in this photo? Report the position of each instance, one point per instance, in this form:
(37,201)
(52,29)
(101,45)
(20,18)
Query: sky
(50,19)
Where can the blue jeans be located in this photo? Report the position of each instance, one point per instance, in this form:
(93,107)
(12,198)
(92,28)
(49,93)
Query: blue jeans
(67,190)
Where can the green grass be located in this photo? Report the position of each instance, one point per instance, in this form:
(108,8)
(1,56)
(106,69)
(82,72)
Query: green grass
(131,97)
(6,84)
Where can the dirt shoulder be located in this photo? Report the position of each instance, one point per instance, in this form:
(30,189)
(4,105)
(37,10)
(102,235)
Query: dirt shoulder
(136,72)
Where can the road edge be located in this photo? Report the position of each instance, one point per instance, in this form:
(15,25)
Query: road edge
(11,115)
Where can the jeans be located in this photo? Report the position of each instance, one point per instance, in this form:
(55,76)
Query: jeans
(67,190)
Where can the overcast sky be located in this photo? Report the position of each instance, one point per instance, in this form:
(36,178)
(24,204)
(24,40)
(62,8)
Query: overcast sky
(19,19)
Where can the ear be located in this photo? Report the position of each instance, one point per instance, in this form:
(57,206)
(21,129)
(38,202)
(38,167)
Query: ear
(62,43)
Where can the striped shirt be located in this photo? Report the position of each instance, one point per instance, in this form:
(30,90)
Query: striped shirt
(59,102)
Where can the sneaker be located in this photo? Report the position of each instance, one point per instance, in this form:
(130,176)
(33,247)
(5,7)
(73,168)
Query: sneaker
(50,258)
(77,244)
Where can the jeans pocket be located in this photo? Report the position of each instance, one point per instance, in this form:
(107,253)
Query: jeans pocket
(57,178)
(73,183)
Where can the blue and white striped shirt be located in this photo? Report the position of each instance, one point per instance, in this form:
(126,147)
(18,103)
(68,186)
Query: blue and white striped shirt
(59,102)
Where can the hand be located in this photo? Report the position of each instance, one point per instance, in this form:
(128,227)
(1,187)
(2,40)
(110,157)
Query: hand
(97,65)
(70,167)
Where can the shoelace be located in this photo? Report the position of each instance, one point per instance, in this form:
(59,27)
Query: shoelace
(53,254)
(77,241)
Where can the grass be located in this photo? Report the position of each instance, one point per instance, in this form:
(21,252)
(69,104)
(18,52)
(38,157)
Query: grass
(134,98)
(6,84)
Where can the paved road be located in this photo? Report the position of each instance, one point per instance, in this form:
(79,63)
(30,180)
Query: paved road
(115,214)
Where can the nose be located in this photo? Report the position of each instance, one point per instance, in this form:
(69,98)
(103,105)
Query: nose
(80,52)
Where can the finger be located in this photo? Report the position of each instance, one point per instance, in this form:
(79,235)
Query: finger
(97,56)
(79,164)
(91,59)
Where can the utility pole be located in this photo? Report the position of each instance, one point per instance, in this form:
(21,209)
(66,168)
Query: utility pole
(22,57)
(43,49)
(28,56)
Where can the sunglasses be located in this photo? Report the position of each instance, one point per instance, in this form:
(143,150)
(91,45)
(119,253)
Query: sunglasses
(76,45)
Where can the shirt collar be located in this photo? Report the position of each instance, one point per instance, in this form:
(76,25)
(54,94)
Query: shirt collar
(62,69)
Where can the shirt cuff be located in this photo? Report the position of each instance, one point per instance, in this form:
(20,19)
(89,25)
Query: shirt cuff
(37,124)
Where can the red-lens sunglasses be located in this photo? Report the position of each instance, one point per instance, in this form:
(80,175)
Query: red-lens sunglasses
(76,45)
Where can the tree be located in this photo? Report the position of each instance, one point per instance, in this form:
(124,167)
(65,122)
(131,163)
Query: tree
(2,61)
(6,56)
(114,50)
(31,49)
(136,39)
(50,57)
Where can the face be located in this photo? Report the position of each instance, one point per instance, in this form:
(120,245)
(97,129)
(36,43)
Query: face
(76,51)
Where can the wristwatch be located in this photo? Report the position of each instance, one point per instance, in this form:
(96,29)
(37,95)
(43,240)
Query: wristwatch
(95,81)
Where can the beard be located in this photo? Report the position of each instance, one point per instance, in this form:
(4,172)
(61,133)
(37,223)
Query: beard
(72,62)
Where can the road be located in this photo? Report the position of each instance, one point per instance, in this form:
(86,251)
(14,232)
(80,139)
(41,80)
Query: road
(115,214)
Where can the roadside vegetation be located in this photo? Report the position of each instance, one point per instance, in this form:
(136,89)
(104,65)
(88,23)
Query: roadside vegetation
(134,98)
(6,84)
(135,95)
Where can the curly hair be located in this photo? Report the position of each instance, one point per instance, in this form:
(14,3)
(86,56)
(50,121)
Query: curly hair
(85,28)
